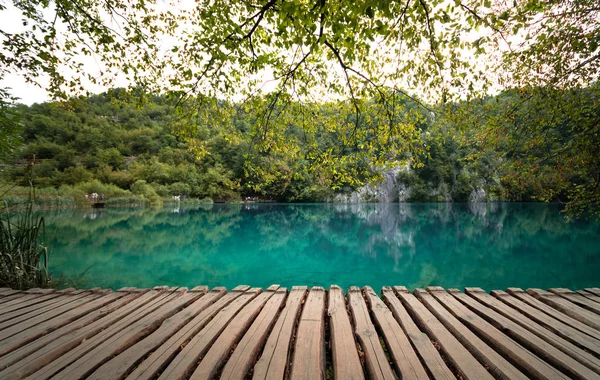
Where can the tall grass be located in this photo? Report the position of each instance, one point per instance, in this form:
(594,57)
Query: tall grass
(23,253)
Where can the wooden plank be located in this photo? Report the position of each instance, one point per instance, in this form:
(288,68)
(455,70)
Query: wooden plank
(567,307)
(376,361)
(428,353)
(273,362)
(517,354)
(40,291)
(26,321)
(105,326)
(214,359)
(37,345)
(577,299)
(526,338)
(125,361)
(563,330)
(26,301)
(309,348)
(19,338)
(10,295)
(89,344)
(118,342)
(186,360)
(151,366)
(589,295)
(595,291)
(496,363)
(456,353)
(248,349)
(562,317)
(30,311)
(562,344)
(346,363)
(404,358)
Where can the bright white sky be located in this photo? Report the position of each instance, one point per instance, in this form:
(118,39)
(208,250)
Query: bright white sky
(29,93)
(26,92)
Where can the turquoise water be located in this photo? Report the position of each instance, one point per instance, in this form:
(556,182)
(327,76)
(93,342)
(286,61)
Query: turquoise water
(493,246)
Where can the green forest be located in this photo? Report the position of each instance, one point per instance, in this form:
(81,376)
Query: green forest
(296,101)
(138,150)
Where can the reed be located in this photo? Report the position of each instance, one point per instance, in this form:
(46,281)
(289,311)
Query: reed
(23,253)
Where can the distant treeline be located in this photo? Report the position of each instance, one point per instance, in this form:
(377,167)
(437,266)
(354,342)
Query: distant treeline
(123,148)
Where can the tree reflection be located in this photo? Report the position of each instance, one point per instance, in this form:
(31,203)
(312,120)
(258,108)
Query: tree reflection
(494,245)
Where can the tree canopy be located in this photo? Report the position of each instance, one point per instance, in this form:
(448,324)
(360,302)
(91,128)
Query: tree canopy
(285,58)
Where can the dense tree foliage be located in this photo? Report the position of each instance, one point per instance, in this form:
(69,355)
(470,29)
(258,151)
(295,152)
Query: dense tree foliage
(547,141)
(348,84)
(109,143)
(153,152)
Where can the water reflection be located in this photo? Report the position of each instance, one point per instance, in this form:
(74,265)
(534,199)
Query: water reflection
(453,245)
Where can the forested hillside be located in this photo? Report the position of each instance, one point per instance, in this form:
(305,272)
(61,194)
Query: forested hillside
(123,147)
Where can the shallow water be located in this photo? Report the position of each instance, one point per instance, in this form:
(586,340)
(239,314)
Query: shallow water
(493,246)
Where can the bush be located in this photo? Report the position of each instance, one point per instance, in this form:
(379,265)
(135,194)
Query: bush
(73,175)
(162,190)
(109,190)
(142,188)
(462,188)
(180,188)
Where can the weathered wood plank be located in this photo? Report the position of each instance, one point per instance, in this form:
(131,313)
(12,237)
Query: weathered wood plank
(26,300)
(495,362)
(346,363)
(37,346)
(595,291)
(24,322)
(21,336)
(567,307)
(589,295)
(125,361)
(376,361)
(136,331)
(428,353)
(519,355)
(183,364)
(160,358)
(563,330)
(565,346)
(461,358)
(104,326)
(273,362)
(248,349)
(91,334)
(562,317)
(533,343)
(309,349)
(404,358)
(16,316)
(577,299)
(100,339)
(214,359)
(10,295)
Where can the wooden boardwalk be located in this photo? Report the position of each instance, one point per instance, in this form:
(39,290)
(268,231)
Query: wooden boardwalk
(176,333)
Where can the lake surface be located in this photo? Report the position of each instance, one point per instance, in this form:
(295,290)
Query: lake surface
(493,246)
